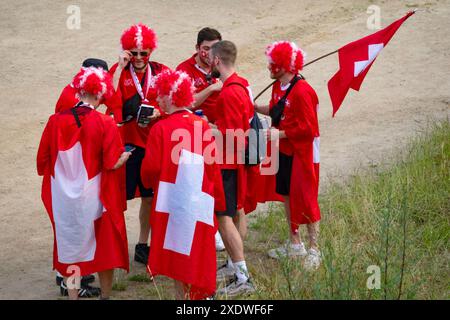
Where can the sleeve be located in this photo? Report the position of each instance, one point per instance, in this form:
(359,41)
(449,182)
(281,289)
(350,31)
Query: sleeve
(43,158)
(301,126)
(112,144)
(66,100)
(114,104)
(151,164)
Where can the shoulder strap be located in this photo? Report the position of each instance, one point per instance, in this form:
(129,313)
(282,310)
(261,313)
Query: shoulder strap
(238,84)
(294,81)
(75,115)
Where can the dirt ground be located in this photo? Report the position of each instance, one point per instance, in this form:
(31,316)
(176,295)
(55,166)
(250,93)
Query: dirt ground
(408,86)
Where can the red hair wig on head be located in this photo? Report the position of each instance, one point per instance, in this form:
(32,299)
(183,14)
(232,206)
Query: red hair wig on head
(177,86)
(94,81)
(138,36)
(286,55)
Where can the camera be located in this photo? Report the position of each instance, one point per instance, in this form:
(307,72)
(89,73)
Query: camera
(144,112)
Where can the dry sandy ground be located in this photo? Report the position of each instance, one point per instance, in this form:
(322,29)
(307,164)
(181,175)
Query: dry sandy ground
(407,85)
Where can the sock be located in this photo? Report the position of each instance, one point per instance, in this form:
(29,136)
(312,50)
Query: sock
(229,263)
(241,271)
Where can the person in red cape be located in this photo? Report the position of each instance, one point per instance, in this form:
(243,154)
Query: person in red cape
(296,126)
(133,77)
(79,154)
(179,164)
(234,110)
(207,88)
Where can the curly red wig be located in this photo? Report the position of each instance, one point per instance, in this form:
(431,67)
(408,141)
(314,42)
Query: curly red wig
(286,55)
(177,86)
(94,81)
(138,36)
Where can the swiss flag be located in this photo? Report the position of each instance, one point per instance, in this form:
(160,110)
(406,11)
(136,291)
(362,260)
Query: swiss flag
(188,189)
(355,60)
(81,191)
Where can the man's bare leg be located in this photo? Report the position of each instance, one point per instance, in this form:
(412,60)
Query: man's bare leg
(231,238)
(240,221)
(313,233)
(144,219)
(295,238)
(106,281)
(73,293)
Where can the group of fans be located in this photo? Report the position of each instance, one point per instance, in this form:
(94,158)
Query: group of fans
(93,162)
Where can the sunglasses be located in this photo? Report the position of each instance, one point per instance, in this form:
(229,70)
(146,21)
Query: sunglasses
(142,54)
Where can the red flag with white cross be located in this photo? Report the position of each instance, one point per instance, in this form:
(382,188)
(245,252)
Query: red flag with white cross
(355,60)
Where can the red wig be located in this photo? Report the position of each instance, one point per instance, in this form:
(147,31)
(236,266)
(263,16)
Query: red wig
(138,36)
(177,86)
(286,55)
(94,81)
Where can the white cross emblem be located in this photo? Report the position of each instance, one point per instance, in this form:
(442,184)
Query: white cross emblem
(374,50)
(76,205)
(185,202)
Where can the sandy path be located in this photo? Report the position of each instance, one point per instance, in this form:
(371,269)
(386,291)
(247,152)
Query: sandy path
(408,84)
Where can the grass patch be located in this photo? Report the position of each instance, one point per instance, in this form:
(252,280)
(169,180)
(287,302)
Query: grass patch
(140,277)
(394,219)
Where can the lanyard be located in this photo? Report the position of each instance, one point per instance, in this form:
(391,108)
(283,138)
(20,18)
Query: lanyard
(137,84)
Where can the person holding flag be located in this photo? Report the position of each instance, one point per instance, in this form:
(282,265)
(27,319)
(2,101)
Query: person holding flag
(179,164)
(133,77)
(79,154)
(293,109)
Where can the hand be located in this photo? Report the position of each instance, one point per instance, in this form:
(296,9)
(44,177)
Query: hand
(124,58)
(122,159)
(216,86)
(272,134)
(156,114)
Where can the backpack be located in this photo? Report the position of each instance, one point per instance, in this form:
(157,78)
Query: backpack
(256,148)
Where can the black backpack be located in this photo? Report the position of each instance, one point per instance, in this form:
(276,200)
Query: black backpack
(256,148)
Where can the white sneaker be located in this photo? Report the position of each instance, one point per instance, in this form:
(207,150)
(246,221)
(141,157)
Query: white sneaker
(236,287)
(225,271)
(288,249)
(313,260)
(219,243)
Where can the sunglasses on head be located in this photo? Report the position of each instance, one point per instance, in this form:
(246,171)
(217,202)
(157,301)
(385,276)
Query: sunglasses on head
(142,53)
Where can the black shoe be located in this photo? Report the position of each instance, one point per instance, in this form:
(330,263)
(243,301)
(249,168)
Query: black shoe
(85,291)
(141,253)
(84,280)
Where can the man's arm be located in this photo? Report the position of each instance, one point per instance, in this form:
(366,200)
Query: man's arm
(263,109)
(201,96)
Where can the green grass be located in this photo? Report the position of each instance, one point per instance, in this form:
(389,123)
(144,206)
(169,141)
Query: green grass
(395,217)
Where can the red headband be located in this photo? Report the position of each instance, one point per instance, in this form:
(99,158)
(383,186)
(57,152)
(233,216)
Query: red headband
(138,36)
(177,86)
(286,55)
(95,81)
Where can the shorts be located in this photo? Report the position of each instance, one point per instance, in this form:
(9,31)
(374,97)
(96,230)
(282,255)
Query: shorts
(133,175)
(229,178)
(283,176)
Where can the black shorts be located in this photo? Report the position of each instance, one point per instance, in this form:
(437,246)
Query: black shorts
(283,176)
(133,175)
(229,178)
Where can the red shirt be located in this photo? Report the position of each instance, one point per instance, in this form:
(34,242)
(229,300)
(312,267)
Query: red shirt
(234,109)
(198,76)
(299,119)
(133,134)
(68,100)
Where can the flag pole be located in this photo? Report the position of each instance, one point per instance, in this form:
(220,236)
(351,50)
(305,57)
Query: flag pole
(307,64)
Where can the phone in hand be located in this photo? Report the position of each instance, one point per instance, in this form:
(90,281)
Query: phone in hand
(144,112)
(129,148)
